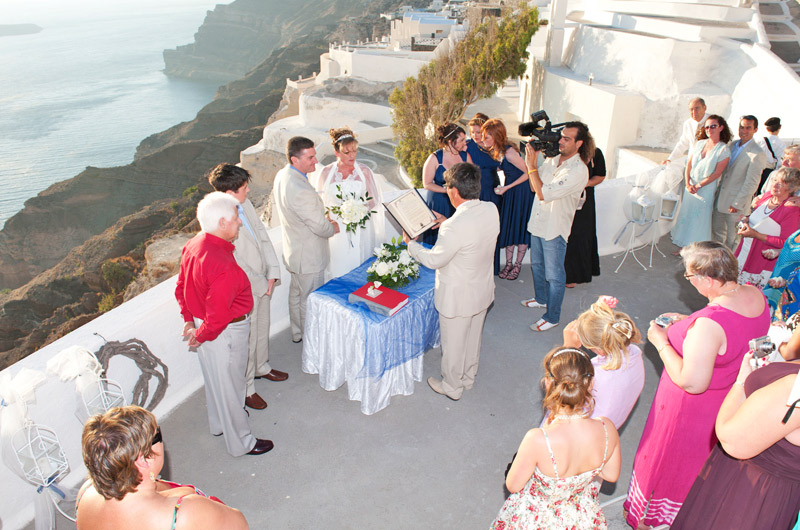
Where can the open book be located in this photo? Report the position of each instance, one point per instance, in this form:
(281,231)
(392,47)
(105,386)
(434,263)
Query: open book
(411,213)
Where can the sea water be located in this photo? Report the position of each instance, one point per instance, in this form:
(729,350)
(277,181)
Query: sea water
(89,87)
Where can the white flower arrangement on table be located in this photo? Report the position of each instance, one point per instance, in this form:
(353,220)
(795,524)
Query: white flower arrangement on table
(353,210)
(394,266)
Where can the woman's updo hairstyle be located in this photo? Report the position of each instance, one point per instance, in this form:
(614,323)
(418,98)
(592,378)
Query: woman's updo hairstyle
(569,373)
(478,120)
(608,330)
(712,260)
(341,137)
(448,133)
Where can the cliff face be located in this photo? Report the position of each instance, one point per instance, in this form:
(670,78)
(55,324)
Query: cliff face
(52,252)
(236,38)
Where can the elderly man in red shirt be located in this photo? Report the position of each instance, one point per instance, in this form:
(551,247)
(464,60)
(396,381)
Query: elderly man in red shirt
(214,295)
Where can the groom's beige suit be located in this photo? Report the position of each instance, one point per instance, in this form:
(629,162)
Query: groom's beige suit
(306,230)
(463,259)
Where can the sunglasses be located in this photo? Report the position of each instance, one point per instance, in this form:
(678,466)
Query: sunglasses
(711,127)
(157,437)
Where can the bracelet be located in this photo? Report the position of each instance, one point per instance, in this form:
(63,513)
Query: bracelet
(737,382)
(534,170)
(662,348)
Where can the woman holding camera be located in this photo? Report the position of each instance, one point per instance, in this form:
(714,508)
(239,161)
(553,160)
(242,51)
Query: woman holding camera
(751,480)
(767,228)
(701,353)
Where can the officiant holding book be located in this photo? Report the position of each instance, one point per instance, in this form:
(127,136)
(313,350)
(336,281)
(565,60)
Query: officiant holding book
(463,260)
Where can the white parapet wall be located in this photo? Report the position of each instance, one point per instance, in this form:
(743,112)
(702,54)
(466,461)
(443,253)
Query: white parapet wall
(152,317)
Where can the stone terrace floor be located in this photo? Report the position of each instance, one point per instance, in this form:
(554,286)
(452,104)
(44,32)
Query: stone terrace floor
(424,461)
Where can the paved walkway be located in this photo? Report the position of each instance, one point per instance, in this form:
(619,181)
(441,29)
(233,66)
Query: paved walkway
(424,461)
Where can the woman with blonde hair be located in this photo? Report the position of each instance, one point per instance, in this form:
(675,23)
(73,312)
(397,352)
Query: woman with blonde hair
(552,478)
(344,177)
(124,453)
(618,367)
(515,210)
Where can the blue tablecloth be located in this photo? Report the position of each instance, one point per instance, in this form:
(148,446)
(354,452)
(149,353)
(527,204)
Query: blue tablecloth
(390,341)
(377,356)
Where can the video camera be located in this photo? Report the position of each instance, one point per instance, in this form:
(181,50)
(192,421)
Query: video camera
(547,137)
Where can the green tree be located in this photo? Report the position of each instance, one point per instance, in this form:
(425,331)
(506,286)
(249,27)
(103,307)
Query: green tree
(442,90)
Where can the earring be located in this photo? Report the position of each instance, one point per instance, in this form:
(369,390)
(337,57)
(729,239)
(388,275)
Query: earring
(152,477)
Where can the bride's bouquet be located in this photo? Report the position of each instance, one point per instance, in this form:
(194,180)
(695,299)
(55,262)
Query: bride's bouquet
(394,266)
(353,210)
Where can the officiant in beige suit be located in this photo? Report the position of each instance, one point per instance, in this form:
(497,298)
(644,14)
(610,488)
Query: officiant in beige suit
(463,259)
(255,254)
(305,228)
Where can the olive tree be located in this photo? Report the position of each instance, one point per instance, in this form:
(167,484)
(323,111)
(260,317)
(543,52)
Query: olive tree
(442,90)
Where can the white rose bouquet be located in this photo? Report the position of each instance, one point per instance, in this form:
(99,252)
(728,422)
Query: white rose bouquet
(353,210)
(394,266)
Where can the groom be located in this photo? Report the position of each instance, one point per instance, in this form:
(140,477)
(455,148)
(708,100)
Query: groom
(305,228)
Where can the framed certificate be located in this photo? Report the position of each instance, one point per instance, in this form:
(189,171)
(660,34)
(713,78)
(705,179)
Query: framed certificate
(411,213)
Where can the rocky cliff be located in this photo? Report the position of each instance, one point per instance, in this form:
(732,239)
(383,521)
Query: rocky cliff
(56,254)
(235,38)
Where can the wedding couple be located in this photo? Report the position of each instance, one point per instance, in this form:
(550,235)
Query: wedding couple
(318,246)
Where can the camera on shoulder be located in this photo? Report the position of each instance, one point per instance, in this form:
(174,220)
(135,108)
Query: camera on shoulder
(543,138)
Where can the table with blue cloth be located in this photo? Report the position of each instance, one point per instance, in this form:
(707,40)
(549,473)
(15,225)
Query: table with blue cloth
(379,357)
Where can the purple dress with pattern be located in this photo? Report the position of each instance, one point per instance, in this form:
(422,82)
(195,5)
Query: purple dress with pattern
(679,433)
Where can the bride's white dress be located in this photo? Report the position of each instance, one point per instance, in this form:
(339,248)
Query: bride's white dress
(349,250)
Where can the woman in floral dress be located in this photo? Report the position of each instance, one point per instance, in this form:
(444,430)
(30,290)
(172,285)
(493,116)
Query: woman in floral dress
(551,479)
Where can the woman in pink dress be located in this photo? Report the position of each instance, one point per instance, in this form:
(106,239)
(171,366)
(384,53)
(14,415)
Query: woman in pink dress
(701,353)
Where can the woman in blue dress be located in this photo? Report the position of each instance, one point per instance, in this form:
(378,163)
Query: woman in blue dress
(707,160)
(483,159)
(515,210)
(782,286)
(453,142)
(488,166)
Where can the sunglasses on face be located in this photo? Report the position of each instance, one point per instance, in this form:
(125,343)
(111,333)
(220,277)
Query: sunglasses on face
(157,437)
(711,127)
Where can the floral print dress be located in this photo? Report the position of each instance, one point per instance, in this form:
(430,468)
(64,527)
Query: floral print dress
(555,503)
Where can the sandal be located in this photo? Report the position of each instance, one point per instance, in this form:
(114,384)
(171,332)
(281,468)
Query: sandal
(504,273)
(512,275)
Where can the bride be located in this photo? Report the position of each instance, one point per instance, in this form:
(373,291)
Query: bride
(348,250)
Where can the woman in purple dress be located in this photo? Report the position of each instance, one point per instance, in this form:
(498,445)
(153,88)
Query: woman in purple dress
(515,209)
(701,353)
(752,478)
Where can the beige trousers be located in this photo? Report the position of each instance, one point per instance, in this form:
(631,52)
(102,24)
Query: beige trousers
(258,358)
(461,350)
(300,287)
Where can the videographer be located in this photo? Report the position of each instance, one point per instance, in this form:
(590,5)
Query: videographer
(558,189)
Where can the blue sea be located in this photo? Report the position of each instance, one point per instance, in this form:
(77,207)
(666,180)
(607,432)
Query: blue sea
(89,87)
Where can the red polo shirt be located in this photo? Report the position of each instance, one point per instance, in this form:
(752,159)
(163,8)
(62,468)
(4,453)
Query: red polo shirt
(211,286)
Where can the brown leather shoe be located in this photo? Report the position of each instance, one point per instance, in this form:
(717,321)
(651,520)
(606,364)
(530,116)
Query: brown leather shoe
(261,447)
(255,402)
(274,375)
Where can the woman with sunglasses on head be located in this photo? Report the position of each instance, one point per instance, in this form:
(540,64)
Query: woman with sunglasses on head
(707,160)
(701,354)
(551,479)
(124,453)
(452,150)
